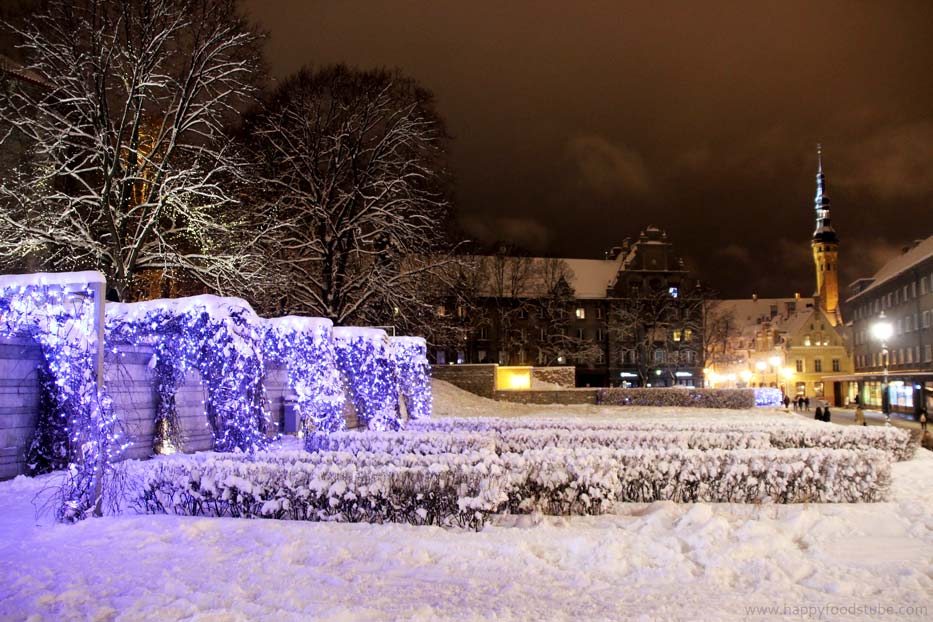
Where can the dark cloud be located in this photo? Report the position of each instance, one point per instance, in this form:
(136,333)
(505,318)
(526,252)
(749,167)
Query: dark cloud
(577,124)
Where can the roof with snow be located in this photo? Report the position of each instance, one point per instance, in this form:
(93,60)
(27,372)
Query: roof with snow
(921,251)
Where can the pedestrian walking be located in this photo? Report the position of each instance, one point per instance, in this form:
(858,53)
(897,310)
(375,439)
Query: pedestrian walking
(806,403)
(826,414)
(859,415)
(818,415)
(786,402)
(923,421)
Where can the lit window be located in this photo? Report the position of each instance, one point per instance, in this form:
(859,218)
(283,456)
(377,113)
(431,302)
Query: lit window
(677,335)
(800,365)
(441,311)
(818,365)
(836,365)
(581,313)
(806,340)
(688,334)
(672,291)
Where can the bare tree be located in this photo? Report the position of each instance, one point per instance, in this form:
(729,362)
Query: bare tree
(130,169)
(351,196)
(719,330)
(657,330)
(553,317)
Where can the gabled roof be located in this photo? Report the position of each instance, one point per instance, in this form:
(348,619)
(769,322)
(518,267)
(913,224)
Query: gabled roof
(18,70)
(921,251)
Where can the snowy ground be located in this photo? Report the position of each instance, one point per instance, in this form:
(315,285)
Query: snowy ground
(644,562)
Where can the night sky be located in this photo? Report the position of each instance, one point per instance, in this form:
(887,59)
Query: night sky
(577,124)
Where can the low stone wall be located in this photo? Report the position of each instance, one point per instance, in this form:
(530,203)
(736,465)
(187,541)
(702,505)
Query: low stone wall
(19,401)
(128,379)
(479,379)
(550,396)
(565,377)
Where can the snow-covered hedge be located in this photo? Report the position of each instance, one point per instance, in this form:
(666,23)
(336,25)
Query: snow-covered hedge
(781,434)
(464,489)
(586,481)
(896,442)
(449,491)
(519,440)
(680,397)
(424,443)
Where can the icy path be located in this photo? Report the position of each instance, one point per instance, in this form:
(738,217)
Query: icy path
(646,562)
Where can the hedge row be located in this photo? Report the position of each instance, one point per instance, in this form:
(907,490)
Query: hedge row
(678,397)
(458,490)
(525,439)
(782,434)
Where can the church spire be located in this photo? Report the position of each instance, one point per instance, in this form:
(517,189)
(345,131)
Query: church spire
(825,247)
(824,231)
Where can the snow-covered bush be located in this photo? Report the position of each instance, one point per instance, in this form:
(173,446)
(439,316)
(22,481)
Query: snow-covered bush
(219,337)
(680,397)
(424,443)
(305,346)
(464,489)
(445,492)
(896,442)
(364,356)
(781,434)
(519,440)
(414,375)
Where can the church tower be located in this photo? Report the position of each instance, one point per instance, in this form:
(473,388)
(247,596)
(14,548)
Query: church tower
(825,246)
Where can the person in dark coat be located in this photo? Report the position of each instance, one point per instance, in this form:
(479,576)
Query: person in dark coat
(826,414)
(806,403)
(786,402)
(819,414)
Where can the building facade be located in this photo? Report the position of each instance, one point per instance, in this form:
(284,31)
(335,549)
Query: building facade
(632,318)
(901,295)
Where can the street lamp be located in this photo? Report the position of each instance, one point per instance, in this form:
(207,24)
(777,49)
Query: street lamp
(882,330)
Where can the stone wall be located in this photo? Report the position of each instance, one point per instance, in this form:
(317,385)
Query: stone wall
(19,401)
(129,381)
(479,379)
(557,396)
(565,377)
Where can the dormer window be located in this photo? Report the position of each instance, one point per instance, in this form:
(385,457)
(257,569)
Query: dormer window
(806,340)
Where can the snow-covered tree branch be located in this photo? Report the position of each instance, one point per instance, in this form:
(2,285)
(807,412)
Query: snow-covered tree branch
(351,203)
(129,169)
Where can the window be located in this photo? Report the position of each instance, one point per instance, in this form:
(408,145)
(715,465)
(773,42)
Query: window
(599,334)
(801,388)
(818,389)
(837,365)
(483,332)
(581,313)
(522,314)
(672,291)
(688,334)
(441,311)
(926,319)
(913,289)
(689,356)
(481,356)
(600,358)
(806,340)
(799,366)
(599,313)
(461,312)
(923,286)
(677,335)
(542,359)
(542,334)
(927,353)
(441,357)
(659,356)
(818,365)
(580,333)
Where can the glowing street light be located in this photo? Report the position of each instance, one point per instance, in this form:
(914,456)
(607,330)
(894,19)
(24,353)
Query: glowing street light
(775,362)
(882,331)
